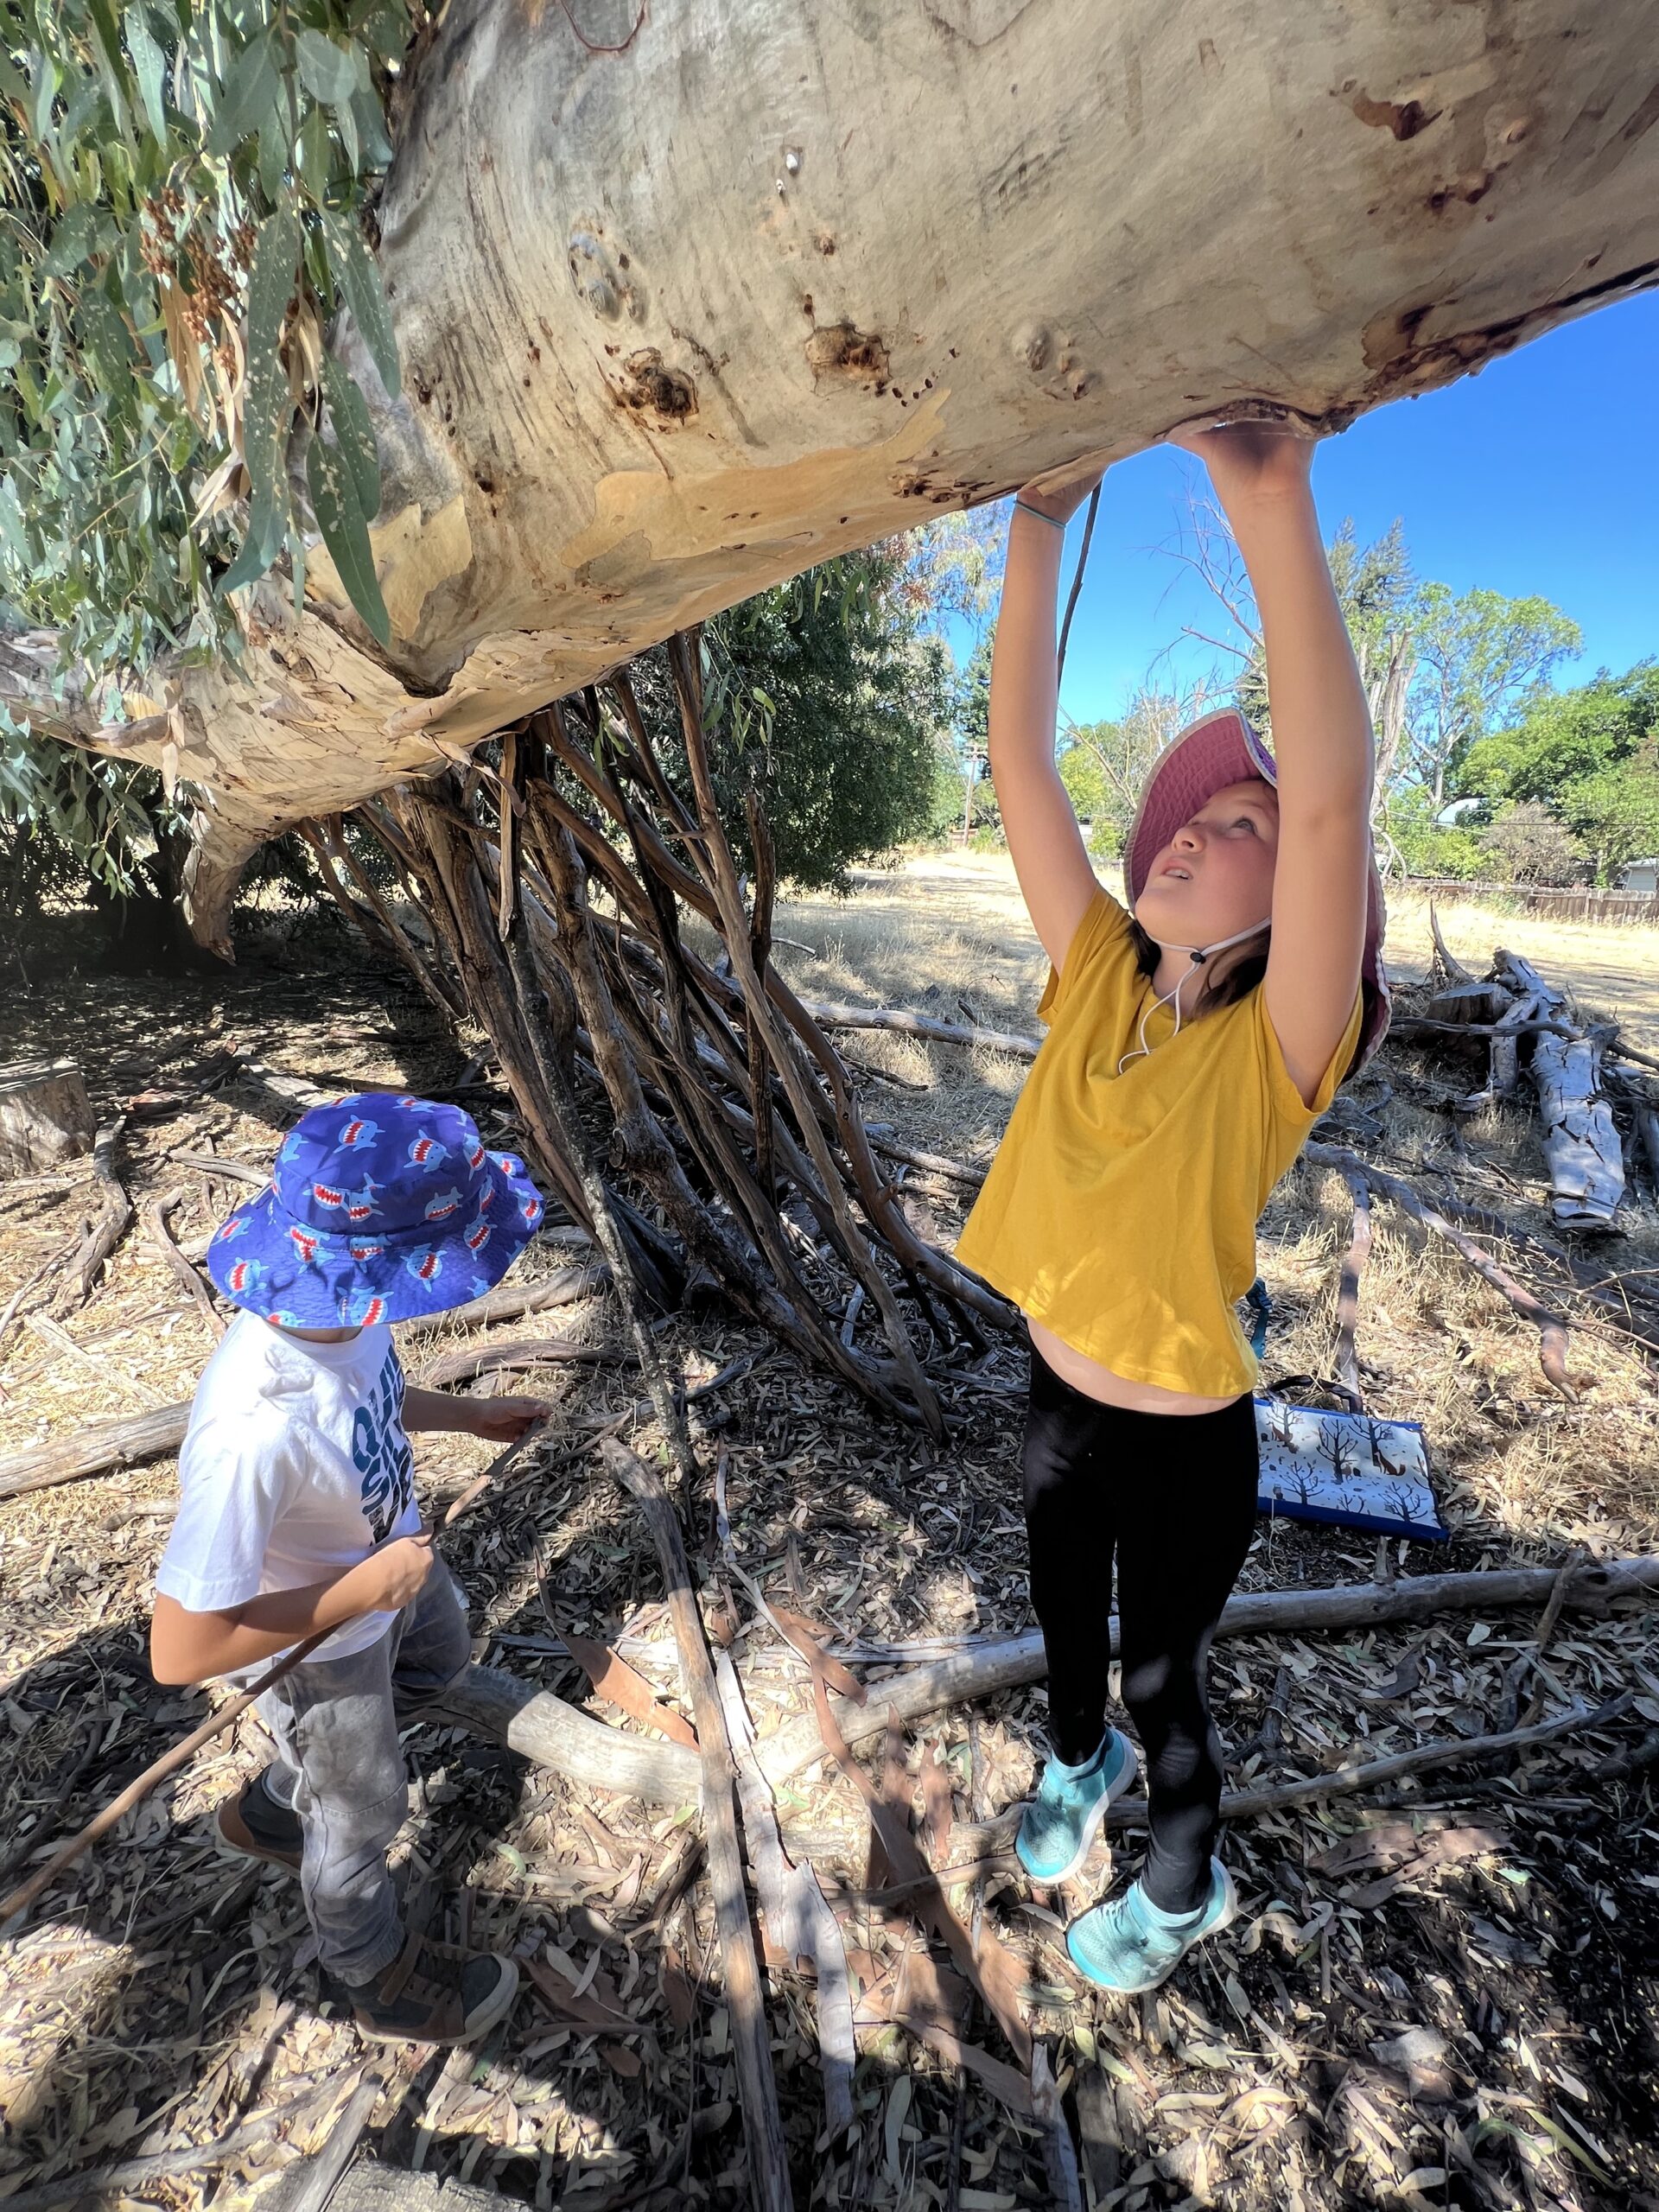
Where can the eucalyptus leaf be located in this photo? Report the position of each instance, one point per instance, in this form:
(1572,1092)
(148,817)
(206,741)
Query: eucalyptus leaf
(315,151)
(348,419)
(250,88)
(346,533)
(147,65)
(267,408)
(354,271)
(328,72)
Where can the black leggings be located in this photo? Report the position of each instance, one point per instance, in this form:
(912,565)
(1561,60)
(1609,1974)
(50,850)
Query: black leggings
(1174,1496)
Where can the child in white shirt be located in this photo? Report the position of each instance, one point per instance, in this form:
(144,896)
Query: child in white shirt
(297,1514)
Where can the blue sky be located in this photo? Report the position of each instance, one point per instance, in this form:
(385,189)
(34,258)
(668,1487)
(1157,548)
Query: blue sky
(1539,475)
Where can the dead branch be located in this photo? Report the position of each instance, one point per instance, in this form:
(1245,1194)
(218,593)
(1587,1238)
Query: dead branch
(900,1022)
(1551,1328)
(763,2129)
(161,1237)
(229,1171)
(474,1360)
(800,1923)
(1459,1751)
(106,1232)
(988,1966)
(1353,1265)
(1450,966)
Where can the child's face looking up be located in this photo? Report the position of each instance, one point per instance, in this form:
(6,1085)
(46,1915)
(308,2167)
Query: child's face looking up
(1215,876)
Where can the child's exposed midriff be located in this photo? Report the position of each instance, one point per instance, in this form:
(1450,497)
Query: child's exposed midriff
(1099,1383)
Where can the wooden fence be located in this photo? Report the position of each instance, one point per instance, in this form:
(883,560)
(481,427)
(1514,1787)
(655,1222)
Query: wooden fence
(1571,903)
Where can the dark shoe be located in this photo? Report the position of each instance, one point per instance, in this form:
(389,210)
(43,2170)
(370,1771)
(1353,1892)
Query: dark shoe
(255,1826)
(435,1992)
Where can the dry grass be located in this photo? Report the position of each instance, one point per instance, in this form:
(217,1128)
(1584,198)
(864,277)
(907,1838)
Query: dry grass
(165,1997)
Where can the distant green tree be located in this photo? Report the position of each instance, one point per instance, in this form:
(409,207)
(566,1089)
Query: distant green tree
(826,698)
(1480,657)
(1590,756)
(1409,833)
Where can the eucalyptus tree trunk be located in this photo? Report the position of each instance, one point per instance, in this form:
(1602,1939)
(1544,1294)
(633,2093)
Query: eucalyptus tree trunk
(689,298)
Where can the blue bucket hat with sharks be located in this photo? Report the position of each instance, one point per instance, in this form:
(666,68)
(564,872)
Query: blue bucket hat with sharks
(378,1209)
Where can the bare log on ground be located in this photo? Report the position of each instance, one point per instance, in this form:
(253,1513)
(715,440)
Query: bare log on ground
(1581,1146)
(1009,1662)
(45,1116)
(110,1444)
(763,2128)
(900,1022)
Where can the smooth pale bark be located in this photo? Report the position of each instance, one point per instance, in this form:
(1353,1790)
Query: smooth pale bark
(783,276)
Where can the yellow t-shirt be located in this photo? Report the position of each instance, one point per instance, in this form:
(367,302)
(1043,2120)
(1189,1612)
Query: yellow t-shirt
(1121,1209)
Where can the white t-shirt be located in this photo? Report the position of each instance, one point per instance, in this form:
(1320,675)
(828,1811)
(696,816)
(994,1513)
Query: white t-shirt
(293,1467)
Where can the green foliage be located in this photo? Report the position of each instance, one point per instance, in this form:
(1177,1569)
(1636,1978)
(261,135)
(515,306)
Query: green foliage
(1422,846)
(824,697)
(1590,756)
(1479,657)
(68,818)
(171,169)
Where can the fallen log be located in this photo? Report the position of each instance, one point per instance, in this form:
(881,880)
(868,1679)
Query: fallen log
(108,1446)
(540,1726)
(1581,1145)
(757,2086)
(1006,1662)
(900,1022)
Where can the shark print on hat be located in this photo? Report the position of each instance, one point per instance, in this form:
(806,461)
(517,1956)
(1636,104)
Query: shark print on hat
(370,1199)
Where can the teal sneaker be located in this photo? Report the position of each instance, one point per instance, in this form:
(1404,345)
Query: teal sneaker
(1129,1944)
(1057,1830)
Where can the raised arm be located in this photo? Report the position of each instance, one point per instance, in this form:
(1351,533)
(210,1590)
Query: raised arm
(1321,738)
(1049,859)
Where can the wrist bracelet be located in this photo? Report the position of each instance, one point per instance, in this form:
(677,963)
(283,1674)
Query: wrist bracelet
(1053,520)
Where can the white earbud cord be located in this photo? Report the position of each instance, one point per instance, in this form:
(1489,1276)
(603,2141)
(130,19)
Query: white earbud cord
(1197,955)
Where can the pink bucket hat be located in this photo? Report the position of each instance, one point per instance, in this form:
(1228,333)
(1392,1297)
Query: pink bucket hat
(1208,755)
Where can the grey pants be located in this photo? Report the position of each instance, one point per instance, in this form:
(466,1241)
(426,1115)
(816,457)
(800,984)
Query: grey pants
(336,1724)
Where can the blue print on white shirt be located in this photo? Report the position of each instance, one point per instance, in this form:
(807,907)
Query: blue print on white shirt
(380,1452)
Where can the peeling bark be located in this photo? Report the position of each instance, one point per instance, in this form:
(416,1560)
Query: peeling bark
(777,280)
